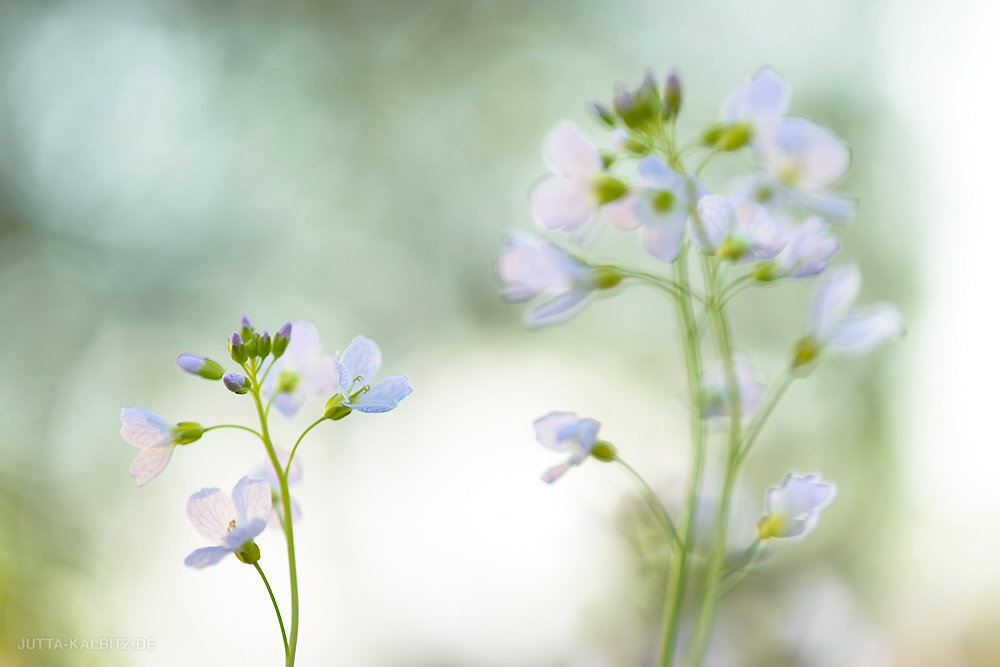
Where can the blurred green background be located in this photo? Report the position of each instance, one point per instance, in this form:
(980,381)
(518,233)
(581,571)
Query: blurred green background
(166,167)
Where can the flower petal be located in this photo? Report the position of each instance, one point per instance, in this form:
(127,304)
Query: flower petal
(570,153)
(201,558)
(212,513)
(303,346)
(563,203)
(361,359)
(558,309)
(288,403)
(864,329)
(555,472)
(144,428)
(547,429)
(383,396)
(150,462)
(765,93)
(663,241)
(833,299)
(242,534)
(252,499)
(711,223)
(621,213)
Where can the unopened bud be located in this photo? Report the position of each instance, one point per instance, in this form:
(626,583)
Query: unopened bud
(187,432)
(335,408)
(237,351)
(604,451)
(263,344)
(606,277)
(602,113)
(249,552)
(712,134)
(246,328)
(672,96)
(280,342)
(236,383)
(736,137)
(195,365)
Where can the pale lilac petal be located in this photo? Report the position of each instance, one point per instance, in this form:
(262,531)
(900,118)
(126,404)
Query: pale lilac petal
(212,513)
(150,462)
(383,396)
(288,403)
(712,222)
(547,429)
(664,241)
(833,299)
(818,156)
(810,248)
(558,309)
(570,153)
(243,533)
(252,499)
(563,203)
(361,359)
(319,377)
(303,346)
(621,213)
(832,206)
(863,330)
(144,428)
(761,233)
(529,266)
(200,558)
(798,502)
(765,93)
(582,433)
(555,472)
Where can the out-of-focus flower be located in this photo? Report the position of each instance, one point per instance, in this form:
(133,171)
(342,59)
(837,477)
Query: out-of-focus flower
(792,509)
(749,388)
(530,268)
(231,523)
(761,96)
(156,437)
(565,432)
(810,248)
(835,327)
(302,372)
(658,205)
(265,471)
(356,371)
(571,198)
(736,230)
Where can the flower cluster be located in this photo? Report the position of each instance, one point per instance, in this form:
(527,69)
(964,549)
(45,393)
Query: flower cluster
(774,223)
(285,372)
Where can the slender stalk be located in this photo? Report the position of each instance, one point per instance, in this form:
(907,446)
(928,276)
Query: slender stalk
(654,504)
(242,428)
(293,630)
(758,422)
(296,445)
(713,569)
(735,577)
(674,595)
(277,611)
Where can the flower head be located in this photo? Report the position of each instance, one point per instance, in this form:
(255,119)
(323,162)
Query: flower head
(749,388)
(735,229)
(302,372)
(810,248)
(231,523)
(659,206)
(792,509)
(356,369)
(834,326)
(571,198)
(156,437)
(530,268)
(565,432)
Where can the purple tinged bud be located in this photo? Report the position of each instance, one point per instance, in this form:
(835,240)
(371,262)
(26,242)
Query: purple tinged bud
(602,113)
(236,349)
(236,383)
(263,344)
(672,95)
(200,366)
(246,328)
(281,339)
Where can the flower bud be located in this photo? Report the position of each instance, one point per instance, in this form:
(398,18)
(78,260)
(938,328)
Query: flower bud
(236,383)
(711,135)
(195,365)
(263,344)
(280,342)
(237,352)
(735,137)
(602,113)
(604,451)
(249,552)
(606,277)
(805,350)
(246,328)
(608,188)
(250,346)
(187,432)
(335,408)
(672,96)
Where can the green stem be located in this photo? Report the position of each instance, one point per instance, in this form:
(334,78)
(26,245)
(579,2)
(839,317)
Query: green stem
(758,422)
(296,445)
(713,569)
(277,611)
(730,580)
(242,428)
(654,504)
(674,595)
(286,503)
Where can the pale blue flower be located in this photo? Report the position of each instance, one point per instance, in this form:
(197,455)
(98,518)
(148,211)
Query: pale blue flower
(571,198)
(531,268)
(792,509)
(356,369)
(810,248)
(302,373)
(231,523)
(735,229)
(762,95)
(834,326)
(565,432)
(156,437)
(658,205)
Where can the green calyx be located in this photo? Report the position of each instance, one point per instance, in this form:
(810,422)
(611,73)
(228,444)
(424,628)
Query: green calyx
(606,277)
(734,137)
(806,351)
(731,249)
(771,526)
(210,370)
(604,451)
(335,409)
(766,272)
(608,188)
(249,552)
(187,432)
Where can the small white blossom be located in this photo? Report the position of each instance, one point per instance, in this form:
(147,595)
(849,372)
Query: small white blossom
(792,509)
(302,373)
(156,437)
(810,248)
(760,96)
(565,432)
(735,229)
(356,370)
(231,523)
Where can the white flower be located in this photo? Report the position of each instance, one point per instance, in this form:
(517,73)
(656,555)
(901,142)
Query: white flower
(565,432)
(792,509)
(571,198)
(302,373)
(760,96)
(810,248)
(231,523)
(356,370)
(749,388)
(735,229)
(156,437)
(834,326)
(530,268)
(659,206)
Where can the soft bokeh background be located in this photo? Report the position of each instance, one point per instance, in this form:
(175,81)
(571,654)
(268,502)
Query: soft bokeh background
(166,167)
